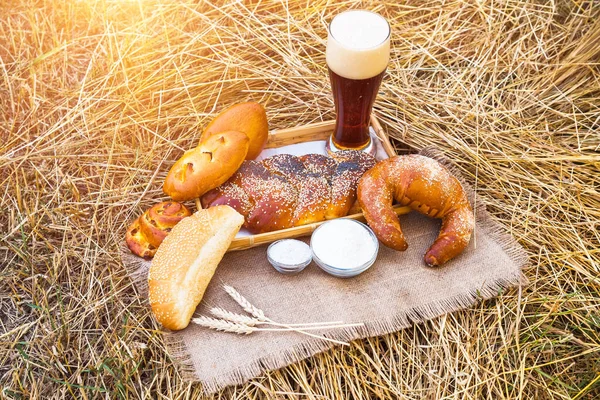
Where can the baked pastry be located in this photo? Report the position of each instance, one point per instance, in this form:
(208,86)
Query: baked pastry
(207,166)
(148,231)
(283,191)
(186,261)
(426,186)
(249,118)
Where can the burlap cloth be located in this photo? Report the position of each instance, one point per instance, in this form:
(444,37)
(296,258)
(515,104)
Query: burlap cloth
(396,292)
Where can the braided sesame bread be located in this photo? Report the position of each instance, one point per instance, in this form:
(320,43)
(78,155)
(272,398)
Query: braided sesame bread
(284,191)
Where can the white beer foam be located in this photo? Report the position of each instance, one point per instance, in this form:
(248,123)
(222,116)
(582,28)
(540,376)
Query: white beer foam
(358,45)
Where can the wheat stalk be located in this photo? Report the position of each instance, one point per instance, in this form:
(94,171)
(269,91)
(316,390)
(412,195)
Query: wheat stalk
(241,328)
(323,324)
(226,315)
(229,316)
(260,316)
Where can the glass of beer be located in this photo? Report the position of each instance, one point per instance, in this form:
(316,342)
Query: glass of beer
(358,51)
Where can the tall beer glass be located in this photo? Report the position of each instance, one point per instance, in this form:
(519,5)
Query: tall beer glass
(358,51)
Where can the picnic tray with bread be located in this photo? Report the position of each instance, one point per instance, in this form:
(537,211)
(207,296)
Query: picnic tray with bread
(210,279)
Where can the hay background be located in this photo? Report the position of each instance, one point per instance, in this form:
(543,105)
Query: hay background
(99,97)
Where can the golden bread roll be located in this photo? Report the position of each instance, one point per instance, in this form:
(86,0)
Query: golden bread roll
(186,261)
(207,166)
(426,186)
(249,118)
(147,232)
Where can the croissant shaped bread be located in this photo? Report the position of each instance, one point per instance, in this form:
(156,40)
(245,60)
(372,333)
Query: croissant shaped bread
(426,186)
(284,191)
(147,232)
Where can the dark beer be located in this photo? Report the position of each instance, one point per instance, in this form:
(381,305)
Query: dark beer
(358,51)
(353,100)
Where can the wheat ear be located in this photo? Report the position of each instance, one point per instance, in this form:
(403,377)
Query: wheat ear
(260,315)
(233,317)
(223,326)
(245,304)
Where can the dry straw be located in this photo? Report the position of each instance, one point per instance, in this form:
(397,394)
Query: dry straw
(98,98)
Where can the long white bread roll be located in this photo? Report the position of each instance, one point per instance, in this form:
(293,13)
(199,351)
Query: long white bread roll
(186,261)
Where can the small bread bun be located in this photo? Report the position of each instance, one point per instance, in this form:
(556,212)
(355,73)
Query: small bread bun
(147,232)
(186,261)
(249,118)
(207,166)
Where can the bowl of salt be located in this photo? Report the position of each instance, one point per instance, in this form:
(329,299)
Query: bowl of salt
(289,256)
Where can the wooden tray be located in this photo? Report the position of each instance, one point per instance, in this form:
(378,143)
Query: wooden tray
(301,134)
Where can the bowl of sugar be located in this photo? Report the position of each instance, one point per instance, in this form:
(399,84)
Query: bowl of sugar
(344,247)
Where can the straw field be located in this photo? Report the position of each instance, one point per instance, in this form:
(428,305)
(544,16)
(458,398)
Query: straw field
(99,97)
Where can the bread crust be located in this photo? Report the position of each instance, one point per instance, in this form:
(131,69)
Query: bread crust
(186,261)
(207,166)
